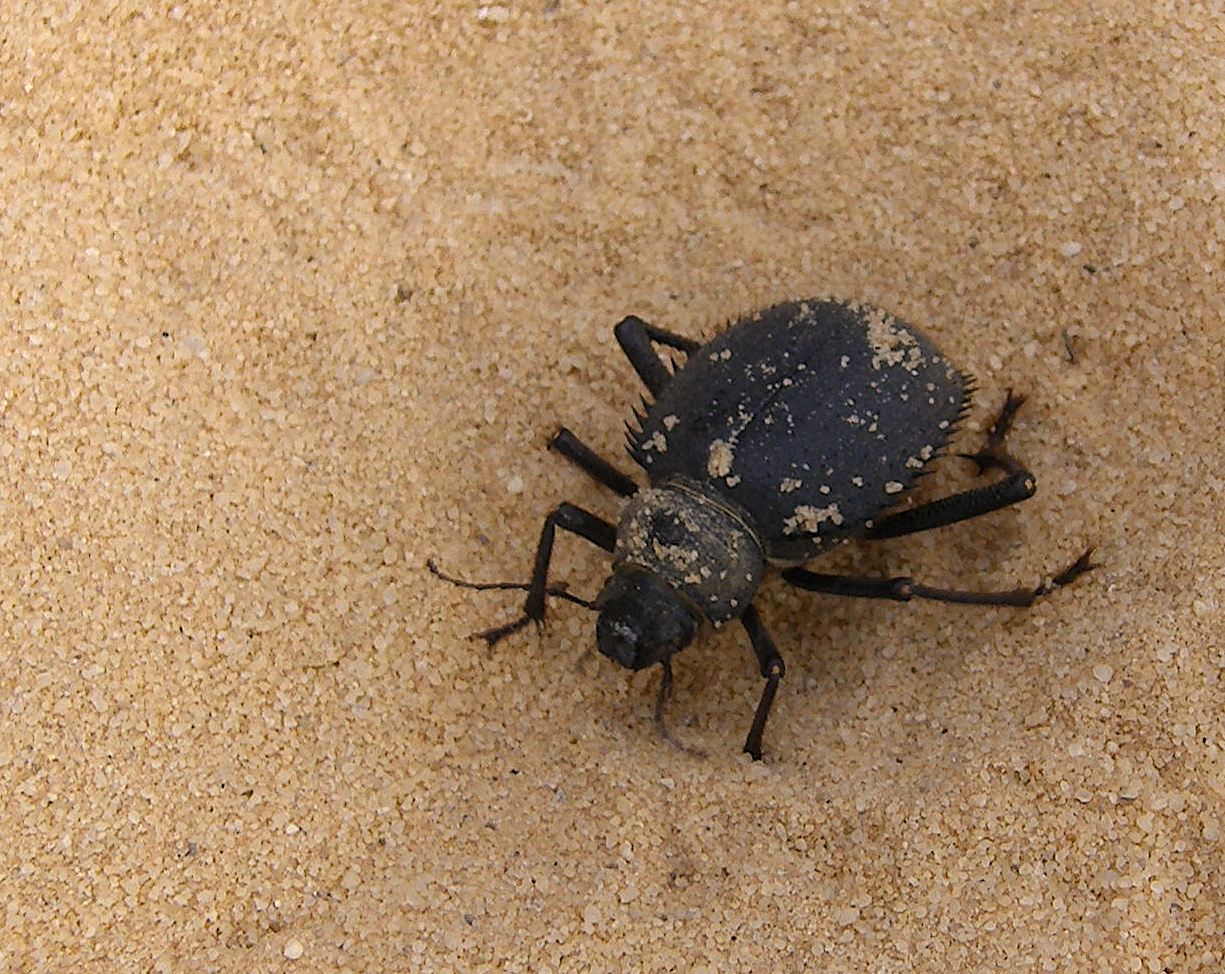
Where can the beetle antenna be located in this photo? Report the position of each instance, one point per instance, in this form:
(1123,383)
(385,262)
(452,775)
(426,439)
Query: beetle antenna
(665,691)
(553,591)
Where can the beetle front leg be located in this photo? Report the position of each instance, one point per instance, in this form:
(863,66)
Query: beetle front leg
(772,668)
(573,519)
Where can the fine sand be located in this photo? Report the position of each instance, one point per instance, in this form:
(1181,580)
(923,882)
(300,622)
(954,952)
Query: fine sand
(295,295)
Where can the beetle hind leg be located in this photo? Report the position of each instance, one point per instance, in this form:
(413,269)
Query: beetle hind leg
(1018,484)
(993,456)
(903,589)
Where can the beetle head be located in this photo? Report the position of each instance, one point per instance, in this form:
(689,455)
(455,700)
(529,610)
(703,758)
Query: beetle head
(643,620)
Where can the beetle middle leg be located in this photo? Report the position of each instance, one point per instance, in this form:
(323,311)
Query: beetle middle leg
(591,463)
(903,589)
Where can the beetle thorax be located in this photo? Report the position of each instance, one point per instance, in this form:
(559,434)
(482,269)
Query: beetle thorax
(699,546)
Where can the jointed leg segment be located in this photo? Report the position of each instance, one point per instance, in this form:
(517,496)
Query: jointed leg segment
(772,668)
(574,519)
(1017,485)
(902,589)
(635,337)
(591,463)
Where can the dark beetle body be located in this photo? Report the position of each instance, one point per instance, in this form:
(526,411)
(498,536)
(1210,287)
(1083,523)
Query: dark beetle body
(793,430)
(812,418)
(788,433)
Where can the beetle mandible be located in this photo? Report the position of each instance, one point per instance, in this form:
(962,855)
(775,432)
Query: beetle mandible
(794,430)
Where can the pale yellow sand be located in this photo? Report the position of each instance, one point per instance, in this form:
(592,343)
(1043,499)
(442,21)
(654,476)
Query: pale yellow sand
(294,295)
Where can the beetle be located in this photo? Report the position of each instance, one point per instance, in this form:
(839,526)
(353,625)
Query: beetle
(795,430)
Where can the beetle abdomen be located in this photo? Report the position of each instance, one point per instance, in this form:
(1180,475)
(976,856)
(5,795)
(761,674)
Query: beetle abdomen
(812,417)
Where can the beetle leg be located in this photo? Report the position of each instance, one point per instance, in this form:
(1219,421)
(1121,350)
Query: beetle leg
(903,589)
(1018,485)
(772,668)
(591,463)
(992,454)
(574,519)
(959,507)
(635,337)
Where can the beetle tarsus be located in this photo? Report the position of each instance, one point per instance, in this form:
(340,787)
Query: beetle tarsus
(1080,566)
(498,633)
(999,429)
(993,456)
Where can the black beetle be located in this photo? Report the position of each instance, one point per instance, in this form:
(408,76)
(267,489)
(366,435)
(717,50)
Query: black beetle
(794,430)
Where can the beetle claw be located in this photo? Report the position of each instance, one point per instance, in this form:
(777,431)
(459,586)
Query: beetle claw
(495,635)
(1084,563)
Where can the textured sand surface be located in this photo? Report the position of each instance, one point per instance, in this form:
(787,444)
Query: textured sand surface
(294,295)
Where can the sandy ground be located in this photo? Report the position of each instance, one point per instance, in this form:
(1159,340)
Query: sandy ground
(295,295)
